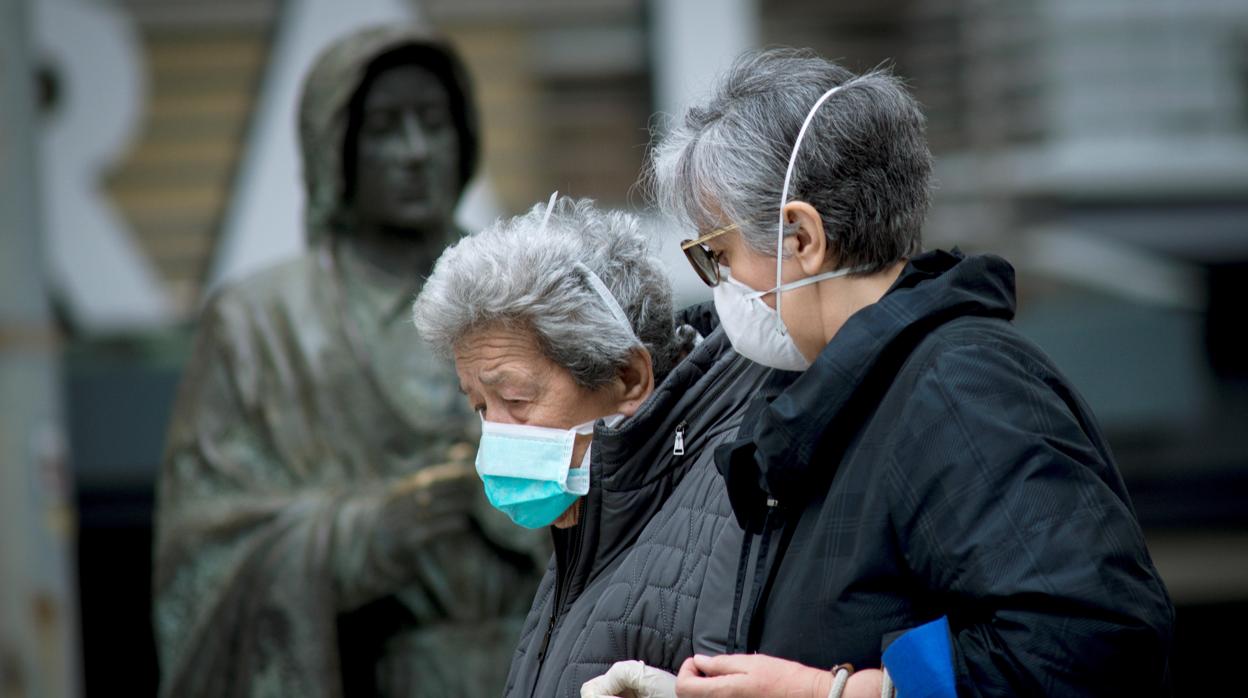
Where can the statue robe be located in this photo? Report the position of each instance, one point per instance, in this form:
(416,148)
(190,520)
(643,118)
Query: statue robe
(320,529)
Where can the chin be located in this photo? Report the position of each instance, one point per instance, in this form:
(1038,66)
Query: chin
(405,226)
(569,518)
(418,217)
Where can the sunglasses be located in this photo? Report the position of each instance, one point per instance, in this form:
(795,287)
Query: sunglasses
(701,257)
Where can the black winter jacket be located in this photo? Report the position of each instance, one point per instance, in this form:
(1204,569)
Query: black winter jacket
(647,572)
(931,463)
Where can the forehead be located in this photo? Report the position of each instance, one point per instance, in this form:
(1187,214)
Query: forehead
(497,355)
(404,85)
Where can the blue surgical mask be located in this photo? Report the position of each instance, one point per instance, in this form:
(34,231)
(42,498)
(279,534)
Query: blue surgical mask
(527,470)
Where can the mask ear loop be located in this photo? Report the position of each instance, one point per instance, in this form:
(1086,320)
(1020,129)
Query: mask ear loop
(550,206)
(784,193)
(596,283)
(613,306)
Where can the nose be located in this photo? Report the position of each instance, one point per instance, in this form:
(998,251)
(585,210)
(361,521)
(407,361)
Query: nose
(414,140)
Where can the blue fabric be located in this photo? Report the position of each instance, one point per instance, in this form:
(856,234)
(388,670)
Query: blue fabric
(921,662)
(529,503)
(525,470)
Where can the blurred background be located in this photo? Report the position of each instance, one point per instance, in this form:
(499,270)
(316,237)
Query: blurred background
(147,156)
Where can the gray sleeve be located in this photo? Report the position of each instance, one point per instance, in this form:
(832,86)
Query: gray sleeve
(715,604)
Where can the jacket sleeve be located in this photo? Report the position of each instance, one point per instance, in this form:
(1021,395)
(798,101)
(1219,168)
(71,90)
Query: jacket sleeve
(1010,512)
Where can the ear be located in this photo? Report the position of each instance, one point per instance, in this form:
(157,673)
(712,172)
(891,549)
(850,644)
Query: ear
(809,244)
(635,381)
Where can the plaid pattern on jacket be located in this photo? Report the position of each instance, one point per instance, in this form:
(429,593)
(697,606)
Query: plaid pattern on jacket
(931,463)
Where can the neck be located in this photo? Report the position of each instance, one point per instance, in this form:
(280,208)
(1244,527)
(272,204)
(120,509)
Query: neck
(840,298)
(402,255)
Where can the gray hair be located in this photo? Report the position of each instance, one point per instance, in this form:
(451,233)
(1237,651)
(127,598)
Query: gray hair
(515,273)
(863,163)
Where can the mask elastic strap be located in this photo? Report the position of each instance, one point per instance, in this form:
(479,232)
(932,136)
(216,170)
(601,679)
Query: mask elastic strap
(609,300)
(585,429)
(784,193)
(550,206)
(594,282)
(806,282)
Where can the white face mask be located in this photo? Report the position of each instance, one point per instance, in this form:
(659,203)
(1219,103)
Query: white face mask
(756,330)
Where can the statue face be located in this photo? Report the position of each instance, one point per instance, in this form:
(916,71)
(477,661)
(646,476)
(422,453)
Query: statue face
(407,159)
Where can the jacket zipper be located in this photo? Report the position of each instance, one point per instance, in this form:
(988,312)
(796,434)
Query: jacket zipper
(760,573)
(721,386)
(541,653)
(561,591)
(562,583)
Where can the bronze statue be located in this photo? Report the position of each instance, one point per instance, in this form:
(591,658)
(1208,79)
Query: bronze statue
(320,528)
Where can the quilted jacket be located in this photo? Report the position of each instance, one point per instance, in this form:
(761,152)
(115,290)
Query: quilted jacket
(647,573)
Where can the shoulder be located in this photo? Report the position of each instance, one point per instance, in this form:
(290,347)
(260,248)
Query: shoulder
(237,312)
(976,384)
(695,513)
(980,403)
(973,358)
(283,283)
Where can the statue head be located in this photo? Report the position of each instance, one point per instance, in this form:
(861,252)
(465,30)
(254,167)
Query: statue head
(389,133)
(401,151)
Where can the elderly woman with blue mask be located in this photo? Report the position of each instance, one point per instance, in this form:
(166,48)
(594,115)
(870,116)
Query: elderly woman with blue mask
(931,496)
(599,419)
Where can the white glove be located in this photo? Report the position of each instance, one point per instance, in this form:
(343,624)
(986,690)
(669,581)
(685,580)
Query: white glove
(631,679)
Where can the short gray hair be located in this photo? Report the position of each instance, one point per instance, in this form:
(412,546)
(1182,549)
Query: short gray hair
(517,274)
(863,163)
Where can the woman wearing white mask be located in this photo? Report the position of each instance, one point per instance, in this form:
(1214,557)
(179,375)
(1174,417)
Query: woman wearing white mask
(930,496)
(599,419)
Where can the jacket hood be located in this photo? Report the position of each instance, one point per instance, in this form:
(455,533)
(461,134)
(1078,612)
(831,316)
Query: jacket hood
(338,73)
(855,369)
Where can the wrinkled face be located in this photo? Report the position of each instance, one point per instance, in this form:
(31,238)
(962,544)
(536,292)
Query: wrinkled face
(407,158)
(508,379)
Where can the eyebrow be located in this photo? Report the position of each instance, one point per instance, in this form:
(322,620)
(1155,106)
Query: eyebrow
(503,375)
(419,101)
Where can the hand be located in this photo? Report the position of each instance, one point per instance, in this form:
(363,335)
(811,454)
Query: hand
(750,676)
(761,676)
(631,679)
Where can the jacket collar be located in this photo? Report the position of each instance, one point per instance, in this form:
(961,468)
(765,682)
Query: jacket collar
(633,469)
(639,448)
(818,412)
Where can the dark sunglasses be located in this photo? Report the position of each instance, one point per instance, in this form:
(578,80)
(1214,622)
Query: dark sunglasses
(701,257)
